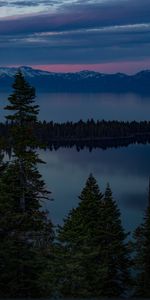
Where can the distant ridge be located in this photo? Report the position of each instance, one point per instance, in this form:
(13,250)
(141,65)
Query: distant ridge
(79,82)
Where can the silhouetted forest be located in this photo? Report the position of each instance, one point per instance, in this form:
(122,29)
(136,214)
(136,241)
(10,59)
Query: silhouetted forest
(90,134)
(90,255)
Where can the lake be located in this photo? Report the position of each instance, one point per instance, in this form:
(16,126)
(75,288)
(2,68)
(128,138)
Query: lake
(73,107)
(126,169)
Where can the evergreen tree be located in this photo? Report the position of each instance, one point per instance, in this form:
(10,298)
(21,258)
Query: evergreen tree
(80,244)
(142,259)
(115,250)
(94,256)
(26,232)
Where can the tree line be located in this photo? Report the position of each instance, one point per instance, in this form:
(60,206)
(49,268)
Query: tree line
(90,255)
(90,134)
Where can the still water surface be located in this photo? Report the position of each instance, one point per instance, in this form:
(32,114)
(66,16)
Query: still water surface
(72,107)
(126,169)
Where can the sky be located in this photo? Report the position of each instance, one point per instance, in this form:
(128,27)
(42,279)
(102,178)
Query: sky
(71,35)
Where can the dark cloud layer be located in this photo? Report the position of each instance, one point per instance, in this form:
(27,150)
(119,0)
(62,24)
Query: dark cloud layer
(80,16)
(83,32)
(24,3)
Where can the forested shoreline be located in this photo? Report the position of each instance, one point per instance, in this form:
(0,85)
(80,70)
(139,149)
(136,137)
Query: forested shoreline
(90,134)
(90,255)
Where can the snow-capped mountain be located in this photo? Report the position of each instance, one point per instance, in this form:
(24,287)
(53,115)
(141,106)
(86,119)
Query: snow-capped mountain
(83,81)
(30,72)
(27,71)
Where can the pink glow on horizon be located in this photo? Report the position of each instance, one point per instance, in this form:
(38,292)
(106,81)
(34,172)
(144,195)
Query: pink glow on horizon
(129,67)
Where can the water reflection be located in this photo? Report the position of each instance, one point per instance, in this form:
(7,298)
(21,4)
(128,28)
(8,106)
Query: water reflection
(72,107)
(126,169)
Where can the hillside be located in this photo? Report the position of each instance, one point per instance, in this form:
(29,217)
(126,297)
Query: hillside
(79,82)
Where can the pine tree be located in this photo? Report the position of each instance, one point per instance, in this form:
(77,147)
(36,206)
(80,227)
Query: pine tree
(80,244)
(142,259)
(94,257)
(115,250)
(23,115)
(26,232)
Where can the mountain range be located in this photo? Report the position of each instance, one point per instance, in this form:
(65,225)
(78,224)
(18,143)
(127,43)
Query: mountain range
(79,82)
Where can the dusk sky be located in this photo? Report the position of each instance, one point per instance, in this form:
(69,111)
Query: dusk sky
(71,35)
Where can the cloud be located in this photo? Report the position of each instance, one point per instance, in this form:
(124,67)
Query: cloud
(79,16)
(81,32)
(24,3)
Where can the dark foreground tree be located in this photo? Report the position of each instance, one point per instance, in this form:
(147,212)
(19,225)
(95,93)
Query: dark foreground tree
(79,238)
(142,259)
(93,254)
(116,261)
(26,232)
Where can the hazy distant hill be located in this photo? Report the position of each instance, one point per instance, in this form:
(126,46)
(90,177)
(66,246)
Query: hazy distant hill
(84,81)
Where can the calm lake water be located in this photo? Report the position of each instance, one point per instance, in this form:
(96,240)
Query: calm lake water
(64,107)
(126,169)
